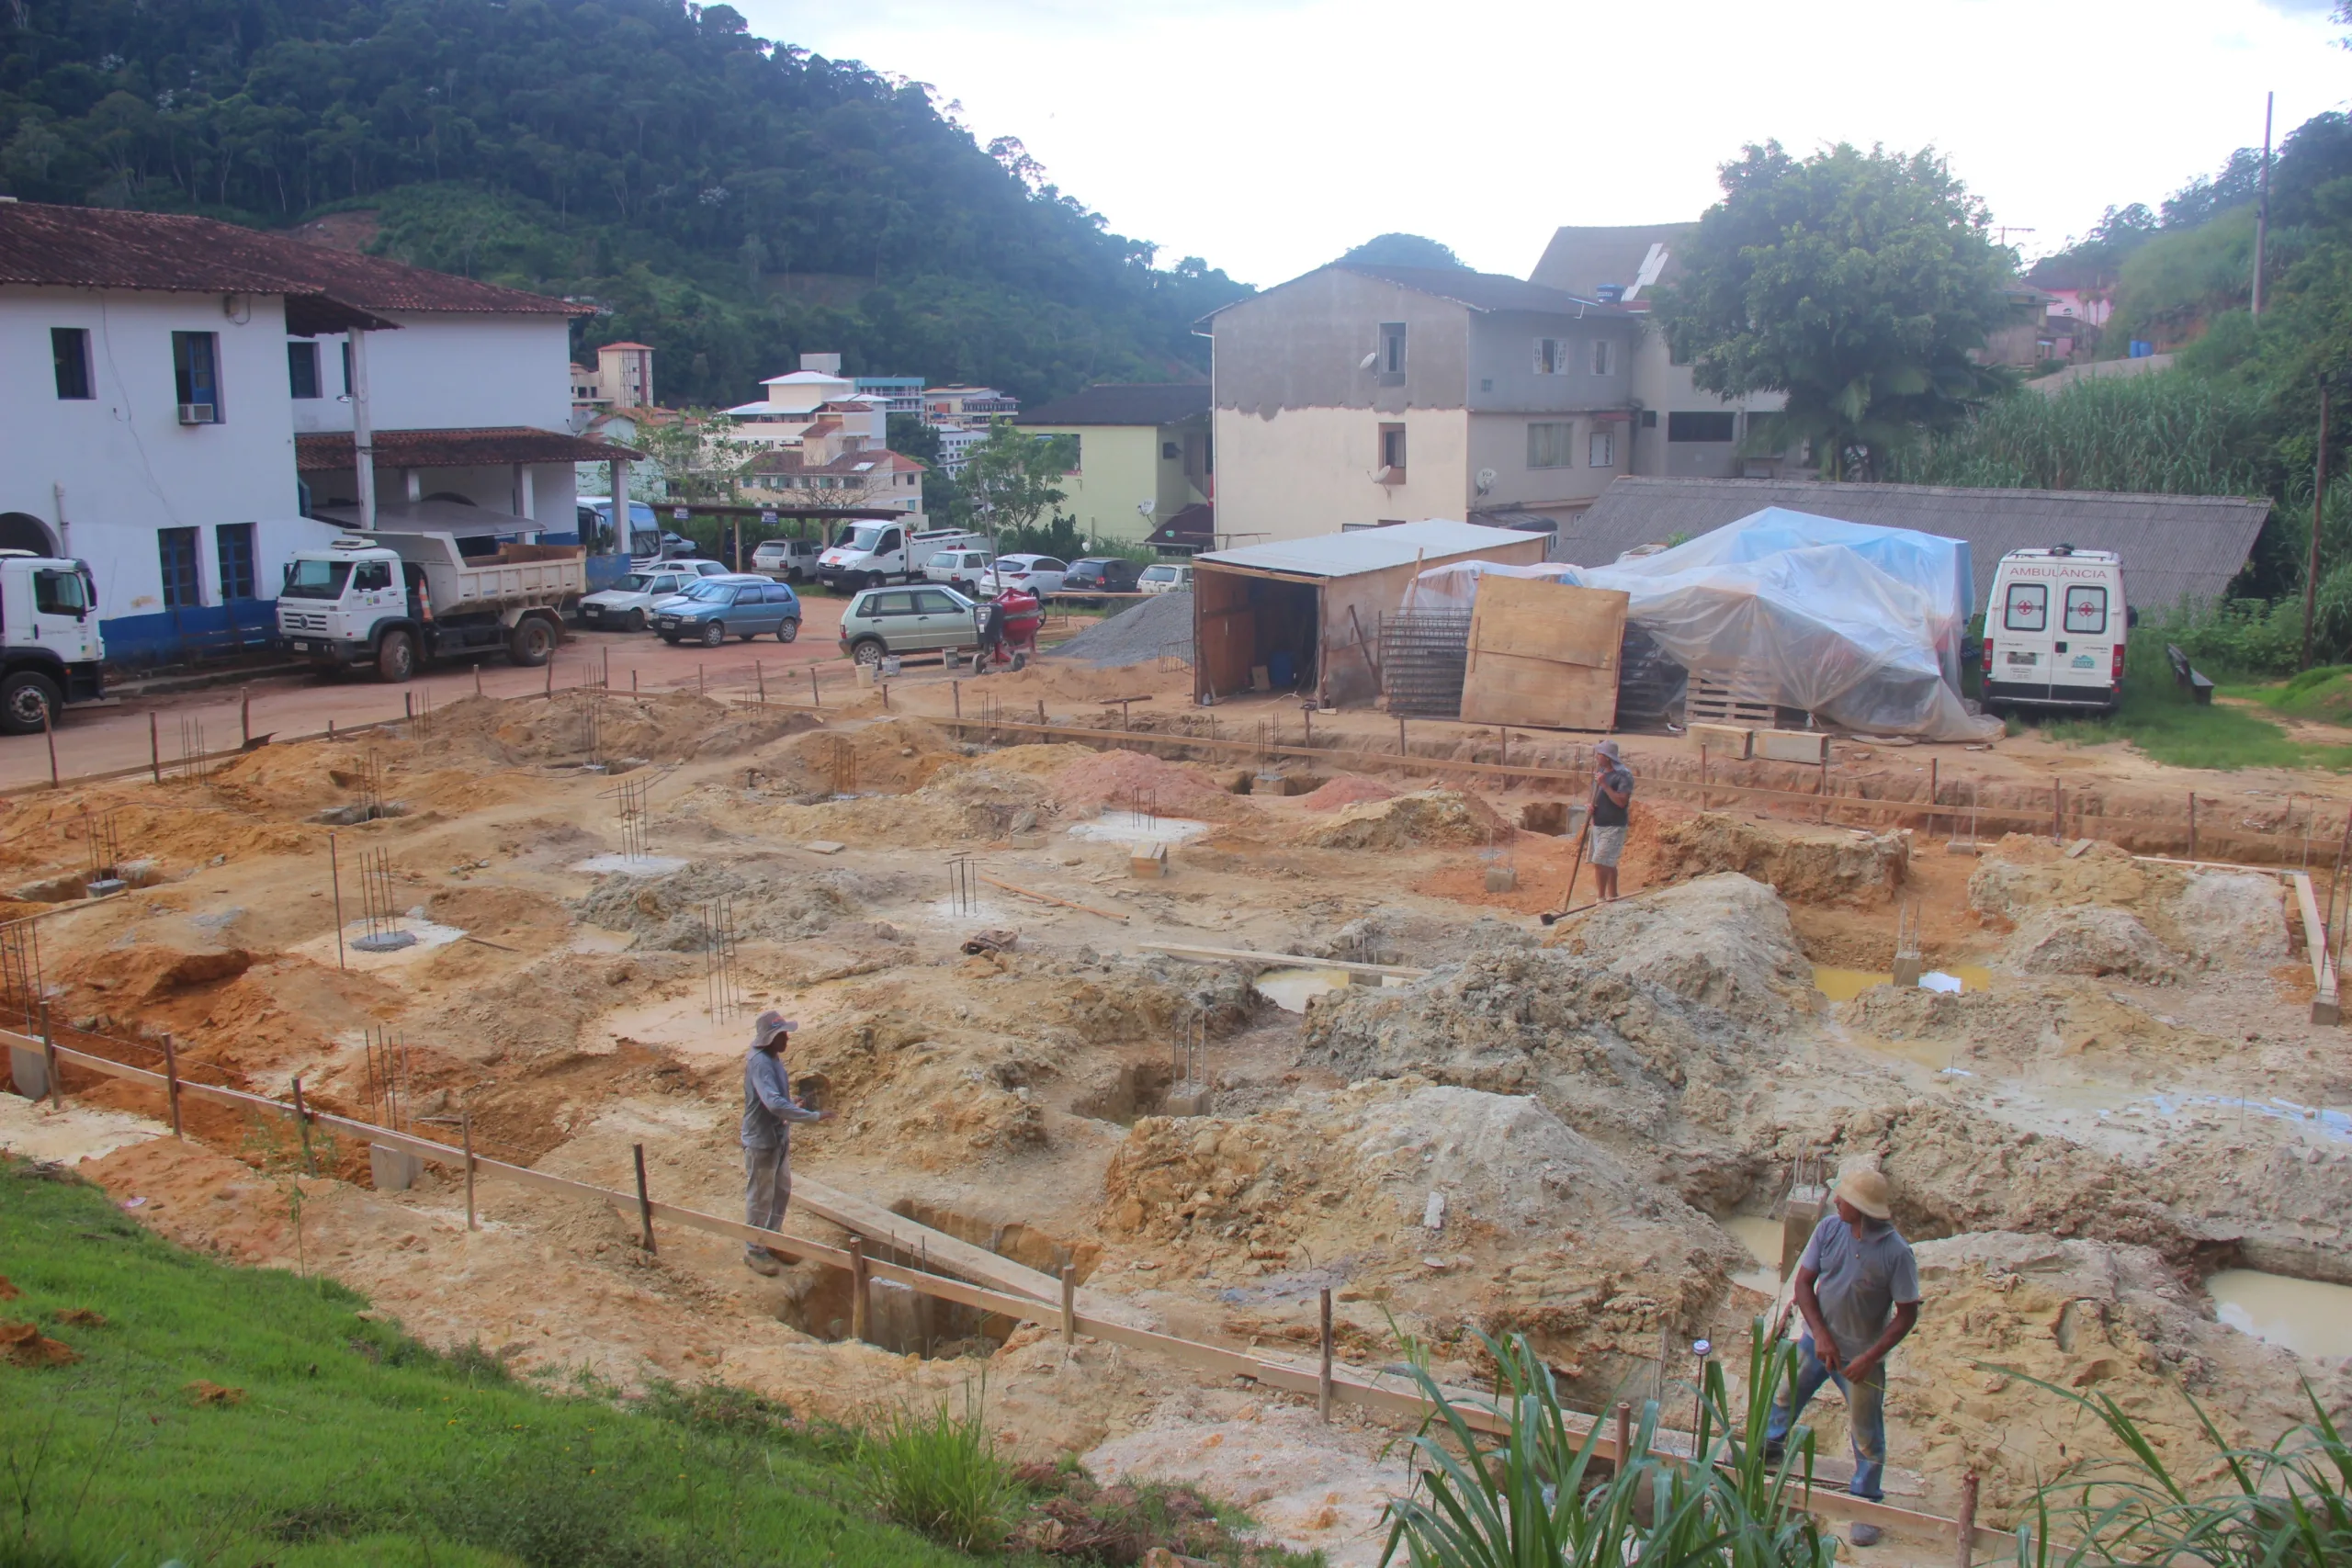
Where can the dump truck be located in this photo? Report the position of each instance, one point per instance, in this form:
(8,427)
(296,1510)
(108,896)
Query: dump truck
(383,601)
(49,647)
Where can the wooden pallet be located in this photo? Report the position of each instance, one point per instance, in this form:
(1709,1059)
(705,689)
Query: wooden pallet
(1734,698)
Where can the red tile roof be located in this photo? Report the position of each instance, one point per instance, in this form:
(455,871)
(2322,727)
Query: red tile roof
(93,247)
(877,460)
(332,450)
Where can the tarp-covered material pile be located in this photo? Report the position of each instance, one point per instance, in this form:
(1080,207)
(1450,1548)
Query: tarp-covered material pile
(1859,625)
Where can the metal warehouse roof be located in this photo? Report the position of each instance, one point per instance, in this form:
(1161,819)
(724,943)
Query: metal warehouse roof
(2172,545)
(1368,549)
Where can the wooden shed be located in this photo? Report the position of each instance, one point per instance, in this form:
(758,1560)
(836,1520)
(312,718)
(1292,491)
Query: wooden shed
(1307,611)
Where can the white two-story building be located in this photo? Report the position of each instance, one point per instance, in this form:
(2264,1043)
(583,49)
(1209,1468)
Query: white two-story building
(186,394)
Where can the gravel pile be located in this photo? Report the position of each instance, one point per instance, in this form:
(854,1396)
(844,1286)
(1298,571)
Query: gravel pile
(1136,634)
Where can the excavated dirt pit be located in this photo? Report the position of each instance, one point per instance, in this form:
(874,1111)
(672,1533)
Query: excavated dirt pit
(1579,1132)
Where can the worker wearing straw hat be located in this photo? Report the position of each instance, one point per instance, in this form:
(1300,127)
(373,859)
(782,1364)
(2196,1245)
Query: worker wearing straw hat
(769,1112)
(1857,1288)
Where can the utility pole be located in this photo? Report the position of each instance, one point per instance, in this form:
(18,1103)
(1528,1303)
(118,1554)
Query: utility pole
(2261,243)
(2319,504)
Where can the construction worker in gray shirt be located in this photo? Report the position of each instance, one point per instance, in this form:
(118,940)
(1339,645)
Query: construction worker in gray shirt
(1857,1288)
(769,1112)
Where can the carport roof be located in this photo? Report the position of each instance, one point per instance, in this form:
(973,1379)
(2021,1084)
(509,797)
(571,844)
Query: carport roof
(1366,549)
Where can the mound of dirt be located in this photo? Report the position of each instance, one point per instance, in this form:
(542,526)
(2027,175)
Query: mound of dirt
(2036,1020)
(1805,866)
(668,726)
(1116,778)
(2233,917)
(1140,633)
(2092,939)
(961,802)
(145,972)
(539,1011)
(1445,1171)
(1348,789)
(1724,942)
(2086,1315)
(1405,822)
(891,757)
(770,901)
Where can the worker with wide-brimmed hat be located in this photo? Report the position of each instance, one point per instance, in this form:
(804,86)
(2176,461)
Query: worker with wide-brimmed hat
(1857,1288)
(769,1112)
(1611,815)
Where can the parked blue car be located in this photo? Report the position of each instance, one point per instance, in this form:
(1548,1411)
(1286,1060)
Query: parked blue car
(738,605)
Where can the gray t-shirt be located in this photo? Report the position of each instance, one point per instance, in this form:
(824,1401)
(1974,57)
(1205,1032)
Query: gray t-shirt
(1860,1280)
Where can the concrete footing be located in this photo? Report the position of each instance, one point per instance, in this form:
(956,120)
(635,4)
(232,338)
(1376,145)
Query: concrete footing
(29,1069)
(392,1170)
(1188,1099)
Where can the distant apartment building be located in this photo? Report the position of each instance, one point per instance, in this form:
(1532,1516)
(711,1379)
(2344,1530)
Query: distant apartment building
(954,406)
(1361,395)
(207,389)
(1677,430)
(1140,454)
(621,378)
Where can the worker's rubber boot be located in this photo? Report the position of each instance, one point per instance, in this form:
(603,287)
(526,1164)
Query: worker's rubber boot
(763,1263)
(1864,1535)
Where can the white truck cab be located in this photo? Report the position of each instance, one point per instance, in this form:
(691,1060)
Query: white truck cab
(386,599)
(50,646)
(2055,631)
(868,554)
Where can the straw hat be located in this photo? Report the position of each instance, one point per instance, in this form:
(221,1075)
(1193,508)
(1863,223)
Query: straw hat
(767,1026)
(1867,1191)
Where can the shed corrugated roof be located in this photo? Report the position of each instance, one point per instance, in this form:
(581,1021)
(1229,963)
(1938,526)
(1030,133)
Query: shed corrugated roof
(1368,549)
(2172,545)
(1581,260)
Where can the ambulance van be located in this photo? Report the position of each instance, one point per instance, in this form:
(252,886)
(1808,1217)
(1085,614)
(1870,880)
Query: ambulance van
(2054,631)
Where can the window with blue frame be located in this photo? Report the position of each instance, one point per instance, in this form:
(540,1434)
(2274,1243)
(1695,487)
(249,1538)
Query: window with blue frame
(175,550)
(303,369)
(196,372)
(235,543)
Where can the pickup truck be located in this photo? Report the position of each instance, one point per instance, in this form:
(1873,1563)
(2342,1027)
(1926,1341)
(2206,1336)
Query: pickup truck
(386,599)
(866,555)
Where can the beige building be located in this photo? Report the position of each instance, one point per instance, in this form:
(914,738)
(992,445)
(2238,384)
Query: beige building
(1361,395)
(1679,431)
(1141,454)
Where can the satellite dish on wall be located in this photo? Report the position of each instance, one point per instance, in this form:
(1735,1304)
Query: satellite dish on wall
(1486,480)
(1369,360)
(1146,507)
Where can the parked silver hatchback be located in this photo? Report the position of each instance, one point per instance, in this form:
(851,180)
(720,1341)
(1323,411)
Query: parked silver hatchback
(882,621)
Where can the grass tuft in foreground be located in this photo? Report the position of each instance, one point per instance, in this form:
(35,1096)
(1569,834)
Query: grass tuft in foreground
(224,1416)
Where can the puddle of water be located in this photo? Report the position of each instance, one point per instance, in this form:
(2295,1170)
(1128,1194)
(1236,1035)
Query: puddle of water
(1761,1236)
(1126,828)
(430,937)
(1290,988)
(596,939)
(1845,984)
(2304,1316)
(631,865)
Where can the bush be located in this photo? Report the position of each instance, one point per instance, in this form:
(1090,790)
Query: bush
(939,1473)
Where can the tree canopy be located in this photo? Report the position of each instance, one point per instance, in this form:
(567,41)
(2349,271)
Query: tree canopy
(729,200)
(1403,250)
(1855,283)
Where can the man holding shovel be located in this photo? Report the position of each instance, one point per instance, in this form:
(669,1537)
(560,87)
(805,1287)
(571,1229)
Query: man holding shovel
(769,1112)
(1604,827)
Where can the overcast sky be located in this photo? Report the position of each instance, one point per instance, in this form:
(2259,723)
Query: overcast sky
(1268,135)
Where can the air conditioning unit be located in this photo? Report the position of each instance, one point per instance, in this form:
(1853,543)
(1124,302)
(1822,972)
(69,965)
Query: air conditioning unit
(200,413)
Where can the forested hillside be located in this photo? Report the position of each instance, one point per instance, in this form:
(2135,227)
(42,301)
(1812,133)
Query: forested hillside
(728,201)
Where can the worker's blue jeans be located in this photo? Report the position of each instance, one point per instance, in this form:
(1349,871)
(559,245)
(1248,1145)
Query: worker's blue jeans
(1865,1415)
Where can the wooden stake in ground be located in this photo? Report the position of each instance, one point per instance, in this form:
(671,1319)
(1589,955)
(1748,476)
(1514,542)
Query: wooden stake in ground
(172,1083)
(861,1290)
(644,1199)
(155,748)
(1966,1556)
(49,733)
(303,1125)
(1069,1304)
(245,716)
(49,1057)
(466,1131)
(816,698)
(1323,1383)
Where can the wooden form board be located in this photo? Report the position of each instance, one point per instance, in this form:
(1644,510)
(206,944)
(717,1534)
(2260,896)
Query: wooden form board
(1543,655)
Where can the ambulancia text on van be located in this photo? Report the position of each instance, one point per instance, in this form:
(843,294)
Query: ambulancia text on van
(2055,629)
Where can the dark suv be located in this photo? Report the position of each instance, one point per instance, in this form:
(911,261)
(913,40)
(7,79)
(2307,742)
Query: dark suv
(1099,574)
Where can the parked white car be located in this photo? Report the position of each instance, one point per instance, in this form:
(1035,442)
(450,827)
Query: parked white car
(960,570)
(1040,575)
(789,560)
(628,605)
(1166,577)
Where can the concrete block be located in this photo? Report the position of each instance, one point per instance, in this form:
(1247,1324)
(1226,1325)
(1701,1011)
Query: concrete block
(1793,745)
(1188,1099)
(1147,862)
(823,847)
(392,1170)
(1501,878)
(1028,840)
(29,1070)
(2325,1008)
(1906,973)
(1730,740)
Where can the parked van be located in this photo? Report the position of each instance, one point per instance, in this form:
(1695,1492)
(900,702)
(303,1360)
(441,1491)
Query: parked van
(2054,630)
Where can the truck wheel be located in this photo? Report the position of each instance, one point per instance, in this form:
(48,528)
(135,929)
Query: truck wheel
(867,651)
(788,631)
(26,698)
(395,657)
(531,643)
(635,621)
(714,633)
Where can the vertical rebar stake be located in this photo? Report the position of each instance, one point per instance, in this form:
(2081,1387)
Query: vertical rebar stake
(644,1199)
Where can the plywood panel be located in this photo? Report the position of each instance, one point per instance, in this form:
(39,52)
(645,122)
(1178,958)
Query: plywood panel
(1543,655)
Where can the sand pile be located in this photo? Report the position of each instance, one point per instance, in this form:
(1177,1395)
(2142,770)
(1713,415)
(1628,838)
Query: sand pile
(146,972)
(1807,866)
(667,727)
(1406,821)
(1445,1176)
(1724,942)
(961,802)
(1139,634)
(1348,789)
(2100,1319)
(539,1011)
(2231,918)
(1115,779)
(770,900)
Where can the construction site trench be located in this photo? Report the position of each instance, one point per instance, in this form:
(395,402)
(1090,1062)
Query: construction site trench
(1004,920)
